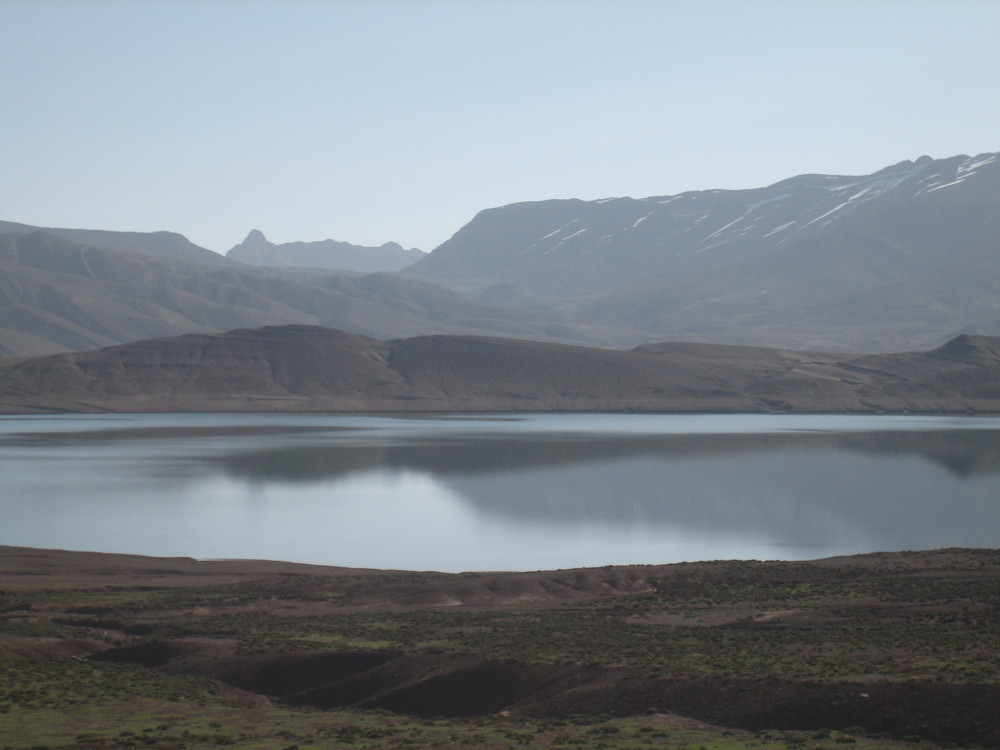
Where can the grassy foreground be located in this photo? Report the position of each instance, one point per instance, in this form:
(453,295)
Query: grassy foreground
(876,651)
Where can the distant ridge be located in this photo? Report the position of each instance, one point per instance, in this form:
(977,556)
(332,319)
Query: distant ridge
(166,245)
(905,257)
(327,254)
(307,368)
(57,294)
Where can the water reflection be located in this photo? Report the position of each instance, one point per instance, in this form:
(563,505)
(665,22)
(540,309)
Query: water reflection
(963,453)
(803,490)
(512,494)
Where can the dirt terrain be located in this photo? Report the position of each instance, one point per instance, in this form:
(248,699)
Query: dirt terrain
(872,649)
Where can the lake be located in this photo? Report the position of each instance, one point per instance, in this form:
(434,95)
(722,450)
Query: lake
(498,492)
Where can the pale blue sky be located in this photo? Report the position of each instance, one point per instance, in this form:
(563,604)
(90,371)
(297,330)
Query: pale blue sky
(373,120)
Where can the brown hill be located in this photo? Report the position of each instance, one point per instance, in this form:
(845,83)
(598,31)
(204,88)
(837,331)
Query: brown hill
(307,368)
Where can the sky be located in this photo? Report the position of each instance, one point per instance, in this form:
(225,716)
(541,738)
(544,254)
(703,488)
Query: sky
(370,121)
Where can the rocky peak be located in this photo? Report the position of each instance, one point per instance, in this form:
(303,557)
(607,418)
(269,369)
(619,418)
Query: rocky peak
(256,239)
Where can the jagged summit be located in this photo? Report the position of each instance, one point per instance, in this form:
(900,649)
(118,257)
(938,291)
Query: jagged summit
(256,238)
(332,255)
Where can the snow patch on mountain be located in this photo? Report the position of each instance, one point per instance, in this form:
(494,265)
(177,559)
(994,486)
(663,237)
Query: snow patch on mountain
(563,241)
(972,165)
(966,169)
(754,206)
(779,229)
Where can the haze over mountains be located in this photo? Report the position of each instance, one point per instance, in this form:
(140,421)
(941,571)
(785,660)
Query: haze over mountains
(166,245)
(328,254)
(61,295)
(903,259)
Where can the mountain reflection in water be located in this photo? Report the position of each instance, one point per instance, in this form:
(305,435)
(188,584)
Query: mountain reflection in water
(962,453)
(525,492)
(810,487)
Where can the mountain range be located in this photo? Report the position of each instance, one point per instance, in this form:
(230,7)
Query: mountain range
(329,254)
(906,258)
(903,258)
(57,294)
(307,368)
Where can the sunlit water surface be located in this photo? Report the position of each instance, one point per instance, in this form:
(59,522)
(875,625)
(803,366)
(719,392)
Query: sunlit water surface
(508,492)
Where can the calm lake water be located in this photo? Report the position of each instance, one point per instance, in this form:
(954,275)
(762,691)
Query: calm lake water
(509,492)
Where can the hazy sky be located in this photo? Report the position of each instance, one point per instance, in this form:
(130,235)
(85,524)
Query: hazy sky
(373,120)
